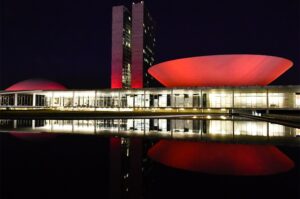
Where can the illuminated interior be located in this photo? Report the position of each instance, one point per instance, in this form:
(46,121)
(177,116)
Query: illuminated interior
(270,97)
(298,100)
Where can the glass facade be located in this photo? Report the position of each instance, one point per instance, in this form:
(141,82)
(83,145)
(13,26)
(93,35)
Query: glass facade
(126,69)
(7,100)
(188,98)
(148,47)
(297,100)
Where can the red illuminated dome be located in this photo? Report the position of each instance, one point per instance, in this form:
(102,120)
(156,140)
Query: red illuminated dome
(224,159)
(220,70)
(36,84)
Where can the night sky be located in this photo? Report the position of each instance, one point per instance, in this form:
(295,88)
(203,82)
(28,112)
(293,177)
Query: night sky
(70,41)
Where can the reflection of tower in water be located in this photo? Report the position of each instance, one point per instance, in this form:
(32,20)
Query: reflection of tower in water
(127,164)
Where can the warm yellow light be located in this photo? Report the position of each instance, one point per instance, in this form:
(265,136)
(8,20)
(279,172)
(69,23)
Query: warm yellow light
(223,117)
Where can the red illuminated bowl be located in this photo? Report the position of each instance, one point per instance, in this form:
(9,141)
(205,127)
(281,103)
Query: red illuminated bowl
(220,70)
(223,159)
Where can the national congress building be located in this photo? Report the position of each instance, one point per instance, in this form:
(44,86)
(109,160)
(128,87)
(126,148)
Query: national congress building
(238,81)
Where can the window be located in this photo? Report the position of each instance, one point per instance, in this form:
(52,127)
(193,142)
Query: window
(250,100)
(298,100)
(276,100)
(220,100)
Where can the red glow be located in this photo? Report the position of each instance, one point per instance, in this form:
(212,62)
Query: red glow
(33,136)
(225,159)
(220,70)
(116,84)
(36,84)
(116,74)
(115,143)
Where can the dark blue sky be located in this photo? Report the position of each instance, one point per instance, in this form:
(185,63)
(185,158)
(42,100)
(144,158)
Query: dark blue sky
(70,41)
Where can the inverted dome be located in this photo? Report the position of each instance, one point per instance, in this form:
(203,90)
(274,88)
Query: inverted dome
(224,159)
(220,70)
(36,84)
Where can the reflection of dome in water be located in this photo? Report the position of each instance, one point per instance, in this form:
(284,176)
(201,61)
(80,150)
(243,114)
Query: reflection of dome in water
(223,159)
(36,84)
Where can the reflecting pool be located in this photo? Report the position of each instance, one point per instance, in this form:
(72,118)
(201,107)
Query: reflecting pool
(205,128)
(155,157)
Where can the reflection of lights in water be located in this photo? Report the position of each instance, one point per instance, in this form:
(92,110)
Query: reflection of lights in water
(276,130)
(177,128)
(220,127)
(251,128)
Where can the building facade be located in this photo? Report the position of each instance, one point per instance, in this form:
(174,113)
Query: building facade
(133,42)
(194,98)
(121,48)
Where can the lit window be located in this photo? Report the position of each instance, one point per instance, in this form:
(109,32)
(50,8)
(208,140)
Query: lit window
(298,100)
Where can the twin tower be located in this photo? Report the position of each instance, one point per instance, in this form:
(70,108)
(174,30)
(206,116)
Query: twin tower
(133,42)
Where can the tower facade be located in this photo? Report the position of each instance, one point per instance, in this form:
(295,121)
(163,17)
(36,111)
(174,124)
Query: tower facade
(121,48)
(133,43)
(143,43)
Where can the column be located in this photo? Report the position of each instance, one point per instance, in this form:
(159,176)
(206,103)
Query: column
(16,100)
(34,99)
